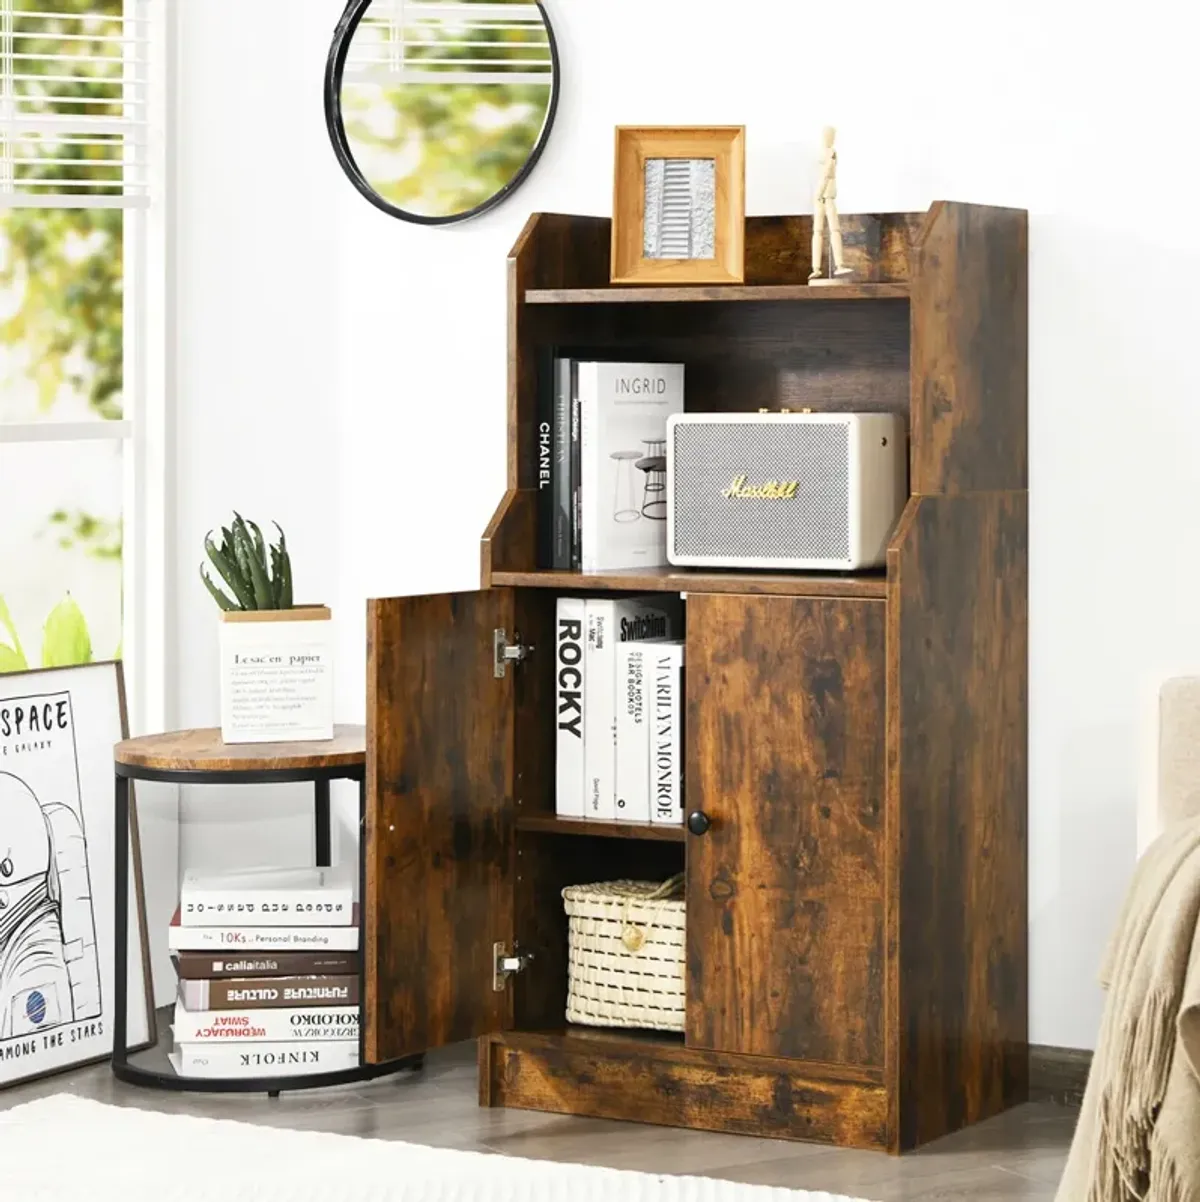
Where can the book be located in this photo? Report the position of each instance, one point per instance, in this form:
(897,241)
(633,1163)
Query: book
(268,897)
(265,1025)
(569,707)
(546,376)
(666,733)
(264,1059)
(235,937)
(576,479)
(623,445)
(633,731)
(563,492)
(198,965)
(232,993)
(610,621)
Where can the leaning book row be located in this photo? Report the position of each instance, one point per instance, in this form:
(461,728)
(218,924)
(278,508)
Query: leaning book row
(602,467)
(619,709)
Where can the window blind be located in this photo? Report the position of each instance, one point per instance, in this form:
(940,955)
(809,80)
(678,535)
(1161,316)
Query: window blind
(73,103)
(444,42)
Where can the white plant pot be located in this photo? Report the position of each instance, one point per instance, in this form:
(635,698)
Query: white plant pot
(277,675)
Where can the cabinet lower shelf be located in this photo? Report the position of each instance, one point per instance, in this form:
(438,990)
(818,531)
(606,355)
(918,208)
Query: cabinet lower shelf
(552,824)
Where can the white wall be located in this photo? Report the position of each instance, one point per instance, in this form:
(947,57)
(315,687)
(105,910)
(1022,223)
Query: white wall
(345,372)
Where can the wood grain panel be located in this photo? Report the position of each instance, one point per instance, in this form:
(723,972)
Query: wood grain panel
(715,293)
(970,358)
(510,541)
(653,1081)
(957,801)
(552,824)
(785,753)
(440,749)
(745,356)
(779,249)
(553,251)
(702,580)
(204,751)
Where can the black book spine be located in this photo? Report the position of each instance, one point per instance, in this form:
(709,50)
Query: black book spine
(545,460)
(561,558)
(576,472)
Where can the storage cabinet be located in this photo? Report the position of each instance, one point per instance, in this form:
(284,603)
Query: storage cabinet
(856,902)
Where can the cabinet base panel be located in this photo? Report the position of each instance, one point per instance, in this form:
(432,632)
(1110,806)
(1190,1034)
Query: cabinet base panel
(673,1086)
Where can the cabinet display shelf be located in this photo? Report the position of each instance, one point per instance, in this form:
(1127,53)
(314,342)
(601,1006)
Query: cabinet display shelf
(554,825)
(722,293)
(700,580)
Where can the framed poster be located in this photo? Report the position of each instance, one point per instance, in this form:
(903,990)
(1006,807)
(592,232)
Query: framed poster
(57,731)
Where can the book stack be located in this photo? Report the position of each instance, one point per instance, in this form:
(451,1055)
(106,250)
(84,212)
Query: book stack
(602,469)
(269,974)
(619,711)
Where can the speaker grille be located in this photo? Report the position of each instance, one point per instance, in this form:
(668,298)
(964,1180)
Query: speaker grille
(815,524)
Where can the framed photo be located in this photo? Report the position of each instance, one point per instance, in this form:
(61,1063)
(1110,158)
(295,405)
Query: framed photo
(679,205)
(57,731)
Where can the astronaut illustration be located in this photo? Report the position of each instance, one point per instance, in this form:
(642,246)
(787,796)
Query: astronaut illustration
(49,972)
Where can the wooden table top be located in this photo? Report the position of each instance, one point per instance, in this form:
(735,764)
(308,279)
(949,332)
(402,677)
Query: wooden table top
(203,751)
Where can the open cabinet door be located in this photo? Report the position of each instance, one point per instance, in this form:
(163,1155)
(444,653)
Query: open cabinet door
(438,847)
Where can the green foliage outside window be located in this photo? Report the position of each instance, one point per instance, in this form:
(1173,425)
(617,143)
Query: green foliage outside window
(66,268)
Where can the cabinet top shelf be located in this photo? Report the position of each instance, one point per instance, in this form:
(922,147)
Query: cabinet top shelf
(720,293)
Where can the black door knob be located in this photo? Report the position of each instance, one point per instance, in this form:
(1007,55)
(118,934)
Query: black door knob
(699,822)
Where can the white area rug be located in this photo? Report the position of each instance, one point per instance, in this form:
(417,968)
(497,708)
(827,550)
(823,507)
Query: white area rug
(67,1149)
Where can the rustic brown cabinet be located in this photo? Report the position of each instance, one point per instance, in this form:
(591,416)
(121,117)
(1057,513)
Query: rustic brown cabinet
(856,909)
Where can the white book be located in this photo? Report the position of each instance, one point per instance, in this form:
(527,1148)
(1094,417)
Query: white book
(235,938)
(633,731)
(609,622)
(264,1059)
(623,445)
(263,1025)
(268,897)
(666,735)
(569,711)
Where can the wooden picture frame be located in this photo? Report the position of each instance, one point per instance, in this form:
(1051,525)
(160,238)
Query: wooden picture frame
(716,241)
(58,727)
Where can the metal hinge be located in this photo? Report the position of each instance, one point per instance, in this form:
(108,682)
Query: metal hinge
(506,653)
(504,964)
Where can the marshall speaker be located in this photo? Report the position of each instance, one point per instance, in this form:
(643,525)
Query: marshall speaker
(784,490)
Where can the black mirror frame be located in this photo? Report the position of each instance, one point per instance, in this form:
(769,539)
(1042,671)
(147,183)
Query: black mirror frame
(334,66)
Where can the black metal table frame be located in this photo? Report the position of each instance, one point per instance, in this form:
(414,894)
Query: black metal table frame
(134,1074)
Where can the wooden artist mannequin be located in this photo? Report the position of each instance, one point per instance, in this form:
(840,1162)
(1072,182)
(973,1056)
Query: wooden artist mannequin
(825,210)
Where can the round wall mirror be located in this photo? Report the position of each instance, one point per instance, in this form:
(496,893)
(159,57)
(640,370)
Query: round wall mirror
(439,109)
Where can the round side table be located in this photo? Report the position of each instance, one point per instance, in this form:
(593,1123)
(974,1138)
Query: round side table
(195,757)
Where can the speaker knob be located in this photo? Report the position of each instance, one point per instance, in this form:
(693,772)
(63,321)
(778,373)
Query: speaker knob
(699,822)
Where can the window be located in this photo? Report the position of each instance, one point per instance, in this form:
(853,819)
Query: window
(73,125)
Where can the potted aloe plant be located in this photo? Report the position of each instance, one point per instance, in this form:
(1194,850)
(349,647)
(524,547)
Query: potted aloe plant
(276,657)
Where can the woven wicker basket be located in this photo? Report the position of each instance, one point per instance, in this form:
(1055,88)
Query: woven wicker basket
(626,954)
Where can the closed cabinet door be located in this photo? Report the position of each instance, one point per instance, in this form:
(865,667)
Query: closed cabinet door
(785,757)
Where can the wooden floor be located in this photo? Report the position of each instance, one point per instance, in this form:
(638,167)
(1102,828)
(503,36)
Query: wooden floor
(1014,1158)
